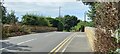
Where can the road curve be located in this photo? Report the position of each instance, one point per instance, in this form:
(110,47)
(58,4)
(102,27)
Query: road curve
(40,42)
(50,42)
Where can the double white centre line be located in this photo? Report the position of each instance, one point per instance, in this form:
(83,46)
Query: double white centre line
(65,43)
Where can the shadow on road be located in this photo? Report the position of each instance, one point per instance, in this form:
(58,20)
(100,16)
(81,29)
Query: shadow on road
(10,46)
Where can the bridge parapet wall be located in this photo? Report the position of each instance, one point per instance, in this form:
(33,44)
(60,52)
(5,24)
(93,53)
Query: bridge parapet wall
(90,32)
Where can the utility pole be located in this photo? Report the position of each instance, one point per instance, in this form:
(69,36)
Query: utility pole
(83,26)
(59,11)
(1,18)
(85,16)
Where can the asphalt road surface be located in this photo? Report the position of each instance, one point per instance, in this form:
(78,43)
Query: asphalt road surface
(47,42)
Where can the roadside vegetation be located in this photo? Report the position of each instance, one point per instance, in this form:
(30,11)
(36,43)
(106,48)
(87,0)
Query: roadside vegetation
(34,23)
(105,17)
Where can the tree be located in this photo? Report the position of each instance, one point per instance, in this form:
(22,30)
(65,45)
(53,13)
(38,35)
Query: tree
(60,26)
(69,21)
(53,21)
(3,10)
(31,19)
(61,19)
(92,12)
(11,18)
(56,23)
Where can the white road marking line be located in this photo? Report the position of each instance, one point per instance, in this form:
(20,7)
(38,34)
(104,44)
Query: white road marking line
(59,45)
(48,35)
(26,41)
(4,40)
(63,44)
(22,42)
(18,43)
(68,43)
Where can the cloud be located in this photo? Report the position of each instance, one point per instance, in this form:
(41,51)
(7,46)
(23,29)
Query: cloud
(40,0)
(47,8)
(41,6)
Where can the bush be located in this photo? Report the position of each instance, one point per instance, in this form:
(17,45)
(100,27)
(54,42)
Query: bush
(56,23)
(60,26)
(81,25)
(104,42)
(25,29)
(14,30)
(42,29)
(36,20)
(5,32)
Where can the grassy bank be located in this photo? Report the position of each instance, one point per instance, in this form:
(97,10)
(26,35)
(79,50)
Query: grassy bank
(18,30)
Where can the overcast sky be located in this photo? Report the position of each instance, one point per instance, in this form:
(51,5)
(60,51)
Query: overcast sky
(46,7)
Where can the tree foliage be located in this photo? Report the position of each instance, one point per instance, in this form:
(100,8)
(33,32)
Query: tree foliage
(3,10)
(11,18)
(69,22)
(31,19)
(53,21)
(92,10)
(56,23)
(64,23)
(80,25)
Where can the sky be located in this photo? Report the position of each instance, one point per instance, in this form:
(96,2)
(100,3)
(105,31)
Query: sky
(46,7)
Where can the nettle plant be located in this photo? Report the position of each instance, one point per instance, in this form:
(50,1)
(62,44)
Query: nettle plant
(117,36)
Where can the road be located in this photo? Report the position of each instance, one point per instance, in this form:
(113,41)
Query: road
(47,42)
